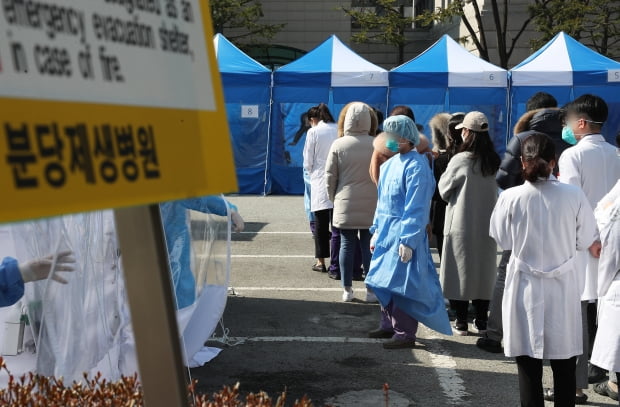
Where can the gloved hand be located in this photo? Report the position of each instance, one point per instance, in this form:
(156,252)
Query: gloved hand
(237,221)
(373,242)
(39,269)
(405,253)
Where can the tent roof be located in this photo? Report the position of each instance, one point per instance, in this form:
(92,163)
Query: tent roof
(446,63)
(563,61)
(331,64)
(231,59)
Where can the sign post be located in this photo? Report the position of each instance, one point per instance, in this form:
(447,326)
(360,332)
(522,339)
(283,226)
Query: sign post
(115,104)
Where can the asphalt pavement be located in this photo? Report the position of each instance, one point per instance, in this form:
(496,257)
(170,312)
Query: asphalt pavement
(288,329)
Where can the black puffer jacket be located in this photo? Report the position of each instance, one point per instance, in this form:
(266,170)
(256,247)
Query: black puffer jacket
(546,121)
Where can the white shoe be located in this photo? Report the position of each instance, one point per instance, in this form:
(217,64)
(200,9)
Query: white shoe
(348,295)
(371,297)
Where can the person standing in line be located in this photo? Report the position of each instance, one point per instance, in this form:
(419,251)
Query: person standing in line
(594,166)
(469,254)
(606,350)
(440,131)
(544,223)
(350,188)
(320,136)
(543,118)
(402,273)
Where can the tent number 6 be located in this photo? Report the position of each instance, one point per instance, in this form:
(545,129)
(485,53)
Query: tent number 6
(491,77)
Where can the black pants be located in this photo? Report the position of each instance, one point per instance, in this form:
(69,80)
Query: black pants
(460,307)
(530,381)
(321,237)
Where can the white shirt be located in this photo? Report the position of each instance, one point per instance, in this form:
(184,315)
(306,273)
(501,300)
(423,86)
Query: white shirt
(594,166)
(316,149)
(544,224)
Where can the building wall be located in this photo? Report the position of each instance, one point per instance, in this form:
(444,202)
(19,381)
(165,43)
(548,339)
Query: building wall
(310,22)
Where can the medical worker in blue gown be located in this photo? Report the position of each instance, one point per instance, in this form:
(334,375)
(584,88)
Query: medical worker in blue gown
(402,272)
(175,219)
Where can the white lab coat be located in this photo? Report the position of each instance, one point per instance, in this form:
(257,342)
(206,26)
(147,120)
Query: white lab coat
(316,149)
(594,166)
(606,351)
(543,224)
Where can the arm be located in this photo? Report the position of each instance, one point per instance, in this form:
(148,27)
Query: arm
(452,179)
(510,170)
(309,150)
(570,170)
(501,219)
(587,233)
(331,172)
(209,204)
(418,193)
(11,282)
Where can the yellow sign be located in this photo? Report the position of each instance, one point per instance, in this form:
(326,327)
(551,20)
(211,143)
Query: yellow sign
(107,104)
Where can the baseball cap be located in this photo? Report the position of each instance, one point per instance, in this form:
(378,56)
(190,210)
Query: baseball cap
(475,121)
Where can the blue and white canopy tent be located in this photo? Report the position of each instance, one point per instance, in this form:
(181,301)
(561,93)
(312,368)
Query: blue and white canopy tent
(567,69)
(331,73)
(247,93)
(447,78)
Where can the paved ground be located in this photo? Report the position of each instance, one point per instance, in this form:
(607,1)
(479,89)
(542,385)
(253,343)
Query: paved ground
(293,332)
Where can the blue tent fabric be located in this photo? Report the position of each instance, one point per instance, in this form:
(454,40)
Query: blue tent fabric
(448,78)
(332,74)
(567,69)
(247,94)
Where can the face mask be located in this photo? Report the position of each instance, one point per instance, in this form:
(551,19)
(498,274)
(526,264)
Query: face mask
(392,145)
(569,136)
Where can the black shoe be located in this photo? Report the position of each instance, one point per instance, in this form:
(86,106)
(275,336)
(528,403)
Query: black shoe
(604,390)
(399,344)
(549,395)
(320,268)
(596,374)
(334,275)
(380,334)
(489,345)
(358,278)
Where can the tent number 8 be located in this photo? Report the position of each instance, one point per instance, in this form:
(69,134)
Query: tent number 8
(250,111)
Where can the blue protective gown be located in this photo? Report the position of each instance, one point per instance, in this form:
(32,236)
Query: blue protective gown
(406,186)
(11,282)
(175,219)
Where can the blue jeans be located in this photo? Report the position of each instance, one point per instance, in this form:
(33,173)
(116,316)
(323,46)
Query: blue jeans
(348,245)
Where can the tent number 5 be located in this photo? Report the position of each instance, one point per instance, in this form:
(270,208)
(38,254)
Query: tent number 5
(613,75)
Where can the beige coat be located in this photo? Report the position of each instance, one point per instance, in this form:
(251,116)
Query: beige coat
(346,174)
(468,264)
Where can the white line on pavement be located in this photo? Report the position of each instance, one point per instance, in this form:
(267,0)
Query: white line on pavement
(450,381)
(237,289)
(312,339)
(275,233)
(269,256)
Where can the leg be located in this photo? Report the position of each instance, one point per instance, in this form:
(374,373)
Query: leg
(530,381)
(482,314)
(439,238)
(334,267)
(405,327)
(322,235)
(582,361)
(564,381)
(357,263)
(347,254)
(365,248)
(494,325)
(460,307)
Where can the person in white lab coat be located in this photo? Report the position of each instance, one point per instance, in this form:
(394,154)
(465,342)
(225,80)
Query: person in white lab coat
(606,351)
(594,166)
(544,223)
(319,139)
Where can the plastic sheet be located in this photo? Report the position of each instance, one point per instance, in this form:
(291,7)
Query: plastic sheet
(84,326)
(80,325)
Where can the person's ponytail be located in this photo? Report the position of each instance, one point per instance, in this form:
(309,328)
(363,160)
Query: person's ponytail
(537,151)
